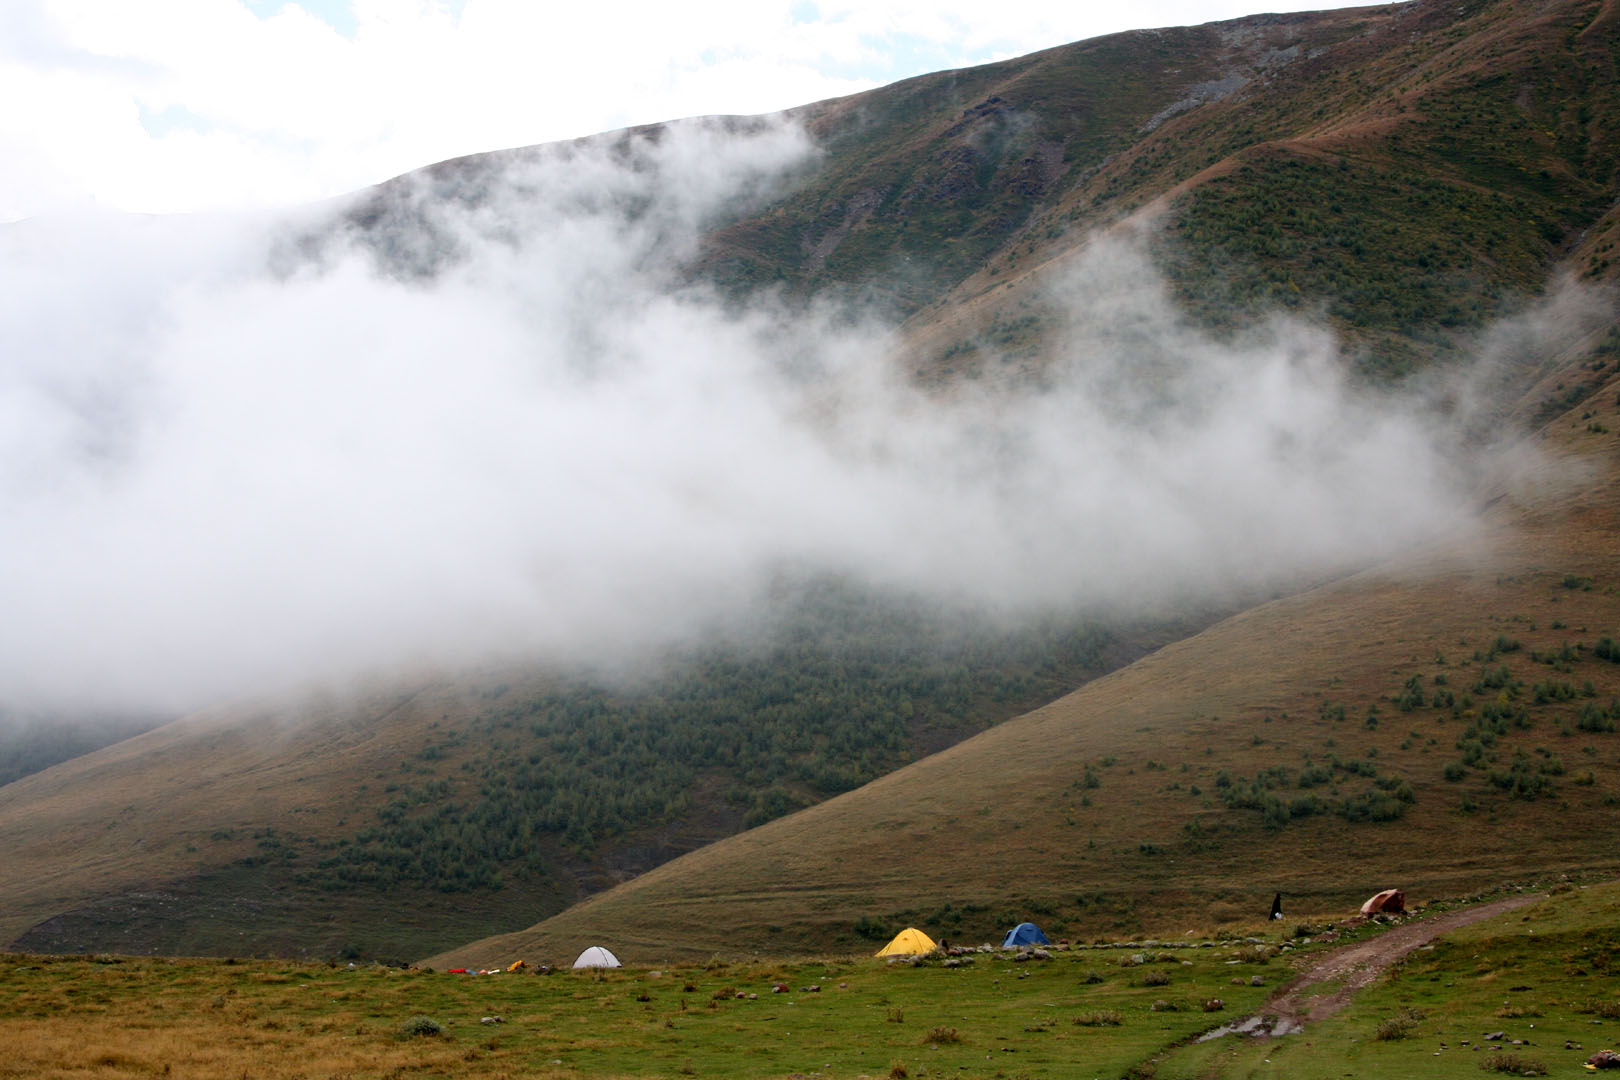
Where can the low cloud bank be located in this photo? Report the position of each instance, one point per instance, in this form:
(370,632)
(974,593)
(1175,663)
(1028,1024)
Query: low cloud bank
(215,480)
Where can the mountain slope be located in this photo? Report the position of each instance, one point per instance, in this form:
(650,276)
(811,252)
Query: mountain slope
(1411,168)
(371,823)
(1442,723)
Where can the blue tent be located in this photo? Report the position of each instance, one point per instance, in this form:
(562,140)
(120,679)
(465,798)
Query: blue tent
(1025,933)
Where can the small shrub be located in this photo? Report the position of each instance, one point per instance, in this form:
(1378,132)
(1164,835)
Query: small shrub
(1092,976)
(1517,1012)
(897,1016)
(898,1070)
(1393,1028)
(1213,1005)
(1513,1064)
(1400,1025)
(942,1035)
(1156,978)
(420,1026)
(1100,1018)
(1594,717)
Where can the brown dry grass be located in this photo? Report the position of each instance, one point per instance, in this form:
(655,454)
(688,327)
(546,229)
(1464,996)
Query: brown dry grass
(75,1047)
(188,796)
(68,1018)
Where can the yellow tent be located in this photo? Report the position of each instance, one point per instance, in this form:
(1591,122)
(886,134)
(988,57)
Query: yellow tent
(908,942)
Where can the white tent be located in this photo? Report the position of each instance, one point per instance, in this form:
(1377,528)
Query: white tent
(596,956)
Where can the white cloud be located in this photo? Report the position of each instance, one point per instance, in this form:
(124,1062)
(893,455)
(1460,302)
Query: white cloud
(291,109)
(213,479)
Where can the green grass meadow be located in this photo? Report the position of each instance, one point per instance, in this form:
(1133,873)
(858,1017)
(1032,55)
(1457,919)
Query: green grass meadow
(993,1017)
(1544,974)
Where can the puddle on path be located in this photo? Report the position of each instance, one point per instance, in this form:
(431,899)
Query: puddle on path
(1256,1027)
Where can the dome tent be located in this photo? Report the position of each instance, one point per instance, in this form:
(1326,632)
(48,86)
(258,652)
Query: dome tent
(596,957)
(908,942)
(1388,900)
(1025,933)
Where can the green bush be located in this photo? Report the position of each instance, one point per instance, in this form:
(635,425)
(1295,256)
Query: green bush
(1513,1064)
(418,1026)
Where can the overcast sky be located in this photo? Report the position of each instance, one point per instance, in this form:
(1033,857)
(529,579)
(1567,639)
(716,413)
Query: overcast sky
(186,105)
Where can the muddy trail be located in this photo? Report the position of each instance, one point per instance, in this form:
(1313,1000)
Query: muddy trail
(1357,965)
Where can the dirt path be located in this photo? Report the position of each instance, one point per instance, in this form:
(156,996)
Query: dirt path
(1357,965)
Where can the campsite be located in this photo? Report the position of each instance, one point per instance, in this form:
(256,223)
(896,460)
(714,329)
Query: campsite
(1538,978)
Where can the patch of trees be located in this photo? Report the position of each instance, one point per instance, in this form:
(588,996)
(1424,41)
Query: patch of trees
(1399,255)
(850,688)
(1268,792)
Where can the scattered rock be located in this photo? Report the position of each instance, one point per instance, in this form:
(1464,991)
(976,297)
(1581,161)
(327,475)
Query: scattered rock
(492,1019)
(1604,1059)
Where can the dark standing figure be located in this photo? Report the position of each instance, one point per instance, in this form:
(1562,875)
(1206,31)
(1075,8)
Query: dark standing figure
(1276,906)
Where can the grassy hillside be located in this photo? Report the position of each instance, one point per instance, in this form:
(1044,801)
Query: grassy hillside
(415,818)
(1440,723)
(1408,171)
